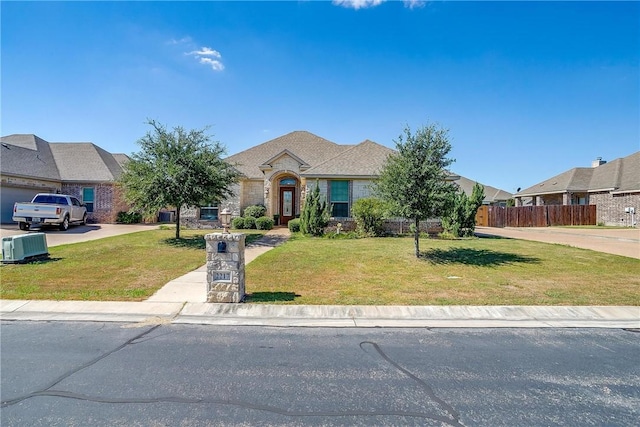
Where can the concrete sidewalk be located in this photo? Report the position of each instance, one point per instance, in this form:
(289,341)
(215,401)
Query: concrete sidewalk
(183,301)
(145,313)
(192,287)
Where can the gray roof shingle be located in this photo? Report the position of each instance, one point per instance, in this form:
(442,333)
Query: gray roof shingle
(491,194)
(363,160)
(308,147)
(27,155)
(619,175)
(85,162)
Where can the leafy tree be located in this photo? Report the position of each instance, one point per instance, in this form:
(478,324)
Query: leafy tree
(369,214)
(315,213)
(176,168)
(461,218)
(413,180)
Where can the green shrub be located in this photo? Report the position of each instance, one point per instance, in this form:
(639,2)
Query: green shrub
(369,214)
(315,213)
(264,223)
(294,225)
(128,217)
(255,211)
(249,222)
(237,223)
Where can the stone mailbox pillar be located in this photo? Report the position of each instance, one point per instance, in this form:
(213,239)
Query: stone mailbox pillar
(225,267)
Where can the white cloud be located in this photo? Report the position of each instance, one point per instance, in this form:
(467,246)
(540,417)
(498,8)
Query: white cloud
(204,54)
(411,4)
(205,51)
(358,4)
(215,64)
(363,4)
(183,40)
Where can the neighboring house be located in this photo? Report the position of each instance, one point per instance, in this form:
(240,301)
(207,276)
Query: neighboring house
(492,196)
(279,173)
(613,187)
(31,165)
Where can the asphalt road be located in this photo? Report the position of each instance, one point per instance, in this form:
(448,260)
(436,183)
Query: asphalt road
(192,375)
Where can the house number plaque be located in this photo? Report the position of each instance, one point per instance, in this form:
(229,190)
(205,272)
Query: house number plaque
(222,276)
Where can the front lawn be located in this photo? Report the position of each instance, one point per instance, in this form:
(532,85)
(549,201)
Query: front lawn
(130,267)
(488,271)
(381,271)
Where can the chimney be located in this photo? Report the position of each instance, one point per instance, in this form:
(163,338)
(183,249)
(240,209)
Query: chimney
(598,162)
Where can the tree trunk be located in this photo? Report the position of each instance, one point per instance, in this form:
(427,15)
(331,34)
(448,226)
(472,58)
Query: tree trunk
(178,222)
(417,238)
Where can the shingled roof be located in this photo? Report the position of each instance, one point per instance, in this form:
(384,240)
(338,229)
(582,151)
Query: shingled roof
(363,160)
(97,165)
(27,155)
(491,194)
(309,148)
(618,176)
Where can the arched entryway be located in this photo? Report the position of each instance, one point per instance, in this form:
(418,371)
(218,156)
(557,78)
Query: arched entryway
(287,198)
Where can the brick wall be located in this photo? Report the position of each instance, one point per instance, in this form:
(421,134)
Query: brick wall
(108,200)
(610,208)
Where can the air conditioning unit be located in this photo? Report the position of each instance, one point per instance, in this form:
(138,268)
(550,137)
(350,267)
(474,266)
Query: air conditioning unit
(24,248)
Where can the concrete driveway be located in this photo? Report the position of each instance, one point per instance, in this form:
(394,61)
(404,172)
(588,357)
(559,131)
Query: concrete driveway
(77,233)
(617,241)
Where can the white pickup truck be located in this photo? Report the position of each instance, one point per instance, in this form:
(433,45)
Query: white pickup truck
(50,209)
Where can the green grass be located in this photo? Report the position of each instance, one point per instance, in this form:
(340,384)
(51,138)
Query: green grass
(383,271)
(130,267)
(488,271)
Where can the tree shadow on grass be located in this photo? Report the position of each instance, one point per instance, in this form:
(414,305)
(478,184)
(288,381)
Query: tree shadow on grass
(477,257)
(271,296)
(191,242)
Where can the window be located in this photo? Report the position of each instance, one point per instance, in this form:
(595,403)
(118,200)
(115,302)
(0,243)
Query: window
(88,198)
(209,213)
(288,182)
(339,192)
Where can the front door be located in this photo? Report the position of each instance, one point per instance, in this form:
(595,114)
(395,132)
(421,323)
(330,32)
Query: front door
(287,204)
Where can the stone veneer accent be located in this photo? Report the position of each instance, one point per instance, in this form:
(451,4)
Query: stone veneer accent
(225,271)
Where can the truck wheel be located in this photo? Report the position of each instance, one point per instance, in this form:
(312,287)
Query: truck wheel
(84,220)
(64,225)
(23,226)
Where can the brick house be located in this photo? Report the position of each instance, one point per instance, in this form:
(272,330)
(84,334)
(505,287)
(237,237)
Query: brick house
(279,173)
(613,187)
(31,165)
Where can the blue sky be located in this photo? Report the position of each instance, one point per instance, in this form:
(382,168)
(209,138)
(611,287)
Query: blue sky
(526,89)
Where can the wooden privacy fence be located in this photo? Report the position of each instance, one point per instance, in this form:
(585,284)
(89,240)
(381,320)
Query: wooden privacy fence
(536,216)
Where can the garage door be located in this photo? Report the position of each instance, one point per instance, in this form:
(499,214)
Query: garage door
(10,195)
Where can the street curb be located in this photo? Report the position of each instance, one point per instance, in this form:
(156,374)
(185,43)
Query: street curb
(324,316)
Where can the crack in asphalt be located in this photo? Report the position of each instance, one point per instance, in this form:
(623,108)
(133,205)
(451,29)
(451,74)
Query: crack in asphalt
(455,416)
(452,419)
(78,369)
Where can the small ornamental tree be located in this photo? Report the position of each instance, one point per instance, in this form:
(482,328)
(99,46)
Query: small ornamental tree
(414,181)
(176,168)
(460,221)
(315,213)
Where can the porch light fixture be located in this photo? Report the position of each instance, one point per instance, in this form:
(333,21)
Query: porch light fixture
(225,217)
